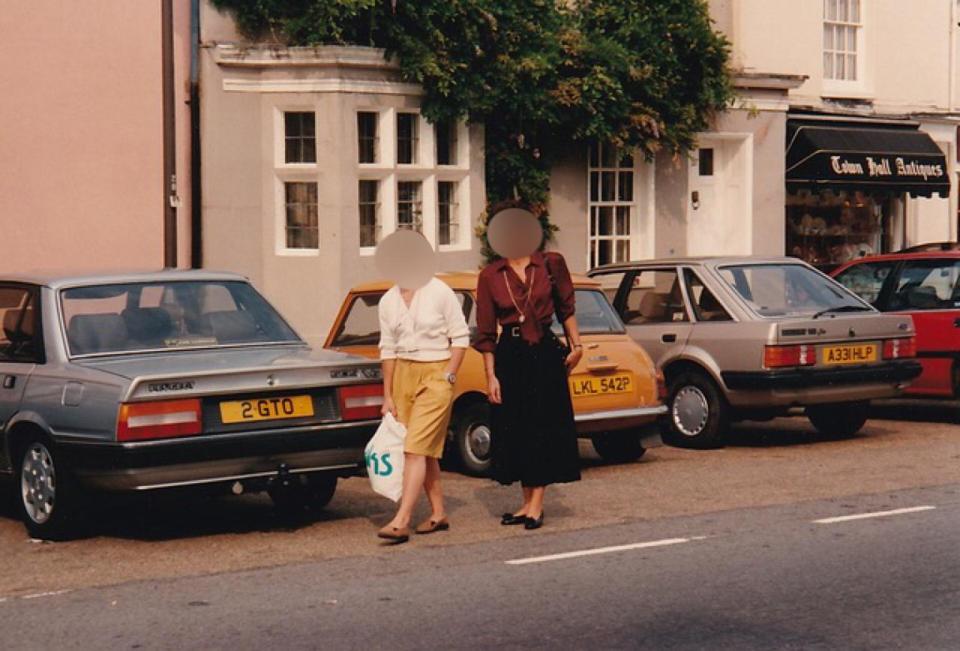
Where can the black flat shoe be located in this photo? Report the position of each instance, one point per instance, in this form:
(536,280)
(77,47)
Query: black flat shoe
(509,519)
(530,523)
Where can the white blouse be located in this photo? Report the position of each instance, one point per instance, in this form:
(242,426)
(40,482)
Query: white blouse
(426,330)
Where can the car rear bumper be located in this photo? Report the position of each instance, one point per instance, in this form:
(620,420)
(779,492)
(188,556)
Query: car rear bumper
(811,386)
(193,461)
(617,419)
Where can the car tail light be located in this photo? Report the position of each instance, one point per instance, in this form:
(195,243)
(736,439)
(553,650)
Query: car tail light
(661,387)
(360,401)
(900,348)
(139,421)
(781,356)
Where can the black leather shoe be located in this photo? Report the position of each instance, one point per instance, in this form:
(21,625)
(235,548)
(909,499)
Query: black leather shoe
(510,518)
(530,523)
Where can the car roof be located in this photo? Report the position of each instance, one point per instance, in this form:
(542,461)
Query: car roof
(61,279)
(695,261)
(458,280)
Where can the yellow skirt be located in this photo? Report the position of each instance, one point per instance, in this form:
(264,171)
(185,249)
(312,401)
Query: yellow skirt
(424,399)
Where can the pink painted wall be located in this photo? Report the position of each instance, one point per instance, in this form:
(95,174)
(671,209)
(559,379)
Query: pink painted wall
(81,143)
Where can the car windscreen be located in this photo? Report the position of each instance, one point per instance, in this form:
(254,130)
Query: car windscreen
(595,315)
(151,316)
(773,290)
(361,325)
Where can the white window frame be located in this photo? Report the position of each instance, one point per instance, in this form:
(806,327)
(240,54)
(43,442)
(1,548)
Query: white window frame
(425,171)
(641,223)
(833,87)
(284,172)
(280,199)
(280,136)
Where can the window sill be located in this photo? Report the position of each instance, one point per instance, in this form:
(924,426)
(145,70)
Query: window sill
(453,248)
(833,89)
(297,166)
(298,253)
(367,251)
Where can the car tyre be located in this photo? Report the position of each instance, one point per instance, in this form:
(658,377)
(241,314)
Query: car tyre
(697,415)
(841,420)
(618,447)
(320,490)
(472,439)
(46,494)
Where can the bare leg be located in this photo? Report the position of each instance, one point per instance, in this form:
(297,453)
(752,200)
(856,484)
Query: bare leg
(431,484)
(414,472)
(525,509)
(535,506)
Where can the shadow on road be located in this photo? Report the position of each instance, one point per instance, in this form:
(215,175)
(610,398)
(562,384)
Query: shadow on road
(927,411)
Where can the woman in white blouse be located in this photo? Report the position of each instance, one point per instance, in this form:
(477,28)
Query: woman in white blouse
(423,337)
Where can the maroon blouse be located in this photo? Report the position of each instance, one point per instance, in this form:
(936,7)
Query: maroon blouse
(494,304)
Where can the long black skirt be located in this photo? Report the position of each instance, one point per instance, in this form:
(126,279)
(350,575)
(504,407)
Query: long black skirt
(534,439)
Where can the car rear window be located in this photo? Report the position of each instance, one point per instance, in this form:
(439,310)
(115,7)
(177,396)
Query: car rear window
(773,290)
(595,315)
(139,317)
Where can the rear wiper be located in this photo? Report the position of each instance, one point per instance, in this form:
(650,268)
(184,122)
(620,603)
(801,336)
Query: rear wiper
(842,308)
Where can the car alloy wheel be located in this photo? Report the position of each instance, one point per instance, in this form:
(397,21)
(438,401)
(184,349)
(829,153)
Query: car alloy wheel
(478,443)
(38,483)
(690,410)
(472,438)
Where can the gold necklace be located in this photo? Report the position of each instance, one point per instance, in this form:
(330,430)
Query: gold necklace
(526,302)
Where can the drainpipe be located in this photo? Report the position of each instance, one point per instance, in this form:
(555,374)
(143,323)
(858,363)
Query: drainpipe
(169,138)
(196,212)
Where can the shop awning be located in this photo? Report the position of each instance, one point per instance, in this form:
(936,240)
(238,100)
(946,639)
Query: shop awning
(892,159)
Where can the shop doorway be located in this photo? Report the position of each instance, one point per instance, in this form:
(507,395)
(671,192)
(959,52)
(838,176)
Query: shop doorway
(719,216)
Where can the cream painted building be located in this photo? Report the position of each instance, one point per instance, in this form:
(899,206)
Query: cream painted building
(818,81)
(310,155)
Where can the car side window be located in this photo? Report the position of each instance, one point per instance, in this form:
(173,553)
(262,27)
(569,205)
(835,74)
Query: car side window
(654,296)
(705,305)
(927,285)
(866,279)
(610,283)
(18,341)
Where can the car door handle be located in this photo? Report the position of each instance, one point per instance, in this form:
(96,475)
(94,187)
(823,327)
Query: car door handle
(9,381)
(668,338)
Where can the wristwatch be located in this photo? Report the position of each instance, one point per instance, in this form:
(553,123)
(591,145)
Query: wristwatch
(451,378)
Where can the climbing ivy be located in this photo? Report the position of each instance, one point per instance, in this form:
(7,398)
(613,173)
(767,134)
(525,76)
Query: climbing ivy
(538,74)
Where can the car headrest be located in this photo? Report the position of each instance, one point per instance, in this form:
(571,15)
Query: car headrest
(653,305)
(14,329)
(231,326)
(924,297)
(97,333)
(709,302)
(148,324)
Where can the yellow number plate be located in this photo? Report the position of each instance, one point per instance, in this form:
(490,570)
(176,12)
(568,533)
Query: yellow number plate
(595,386)
(248,411)
(849,354)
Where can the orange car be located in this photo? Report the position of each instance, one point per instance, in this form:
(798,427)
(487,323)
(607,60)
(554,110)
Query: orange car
(617,391)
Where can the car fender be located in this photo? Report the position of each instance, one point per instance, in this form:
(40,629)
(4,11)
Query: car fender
(698,357)
(16,425)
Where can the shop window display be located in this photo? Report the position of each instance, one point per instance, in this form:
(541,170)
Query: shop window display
(831,227)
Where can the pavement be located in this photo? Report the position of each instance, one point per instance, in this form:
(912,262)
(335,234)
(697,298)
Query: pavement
(744,564)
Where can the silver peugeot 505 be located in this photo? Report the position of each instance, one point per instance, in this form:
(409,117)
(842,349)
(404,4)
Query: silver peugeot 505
(745,338)
(154,381)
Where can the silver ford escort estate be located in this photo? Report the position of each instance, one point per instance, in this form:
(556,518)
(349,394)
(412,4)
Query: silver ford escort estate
(745,338)
(177,378)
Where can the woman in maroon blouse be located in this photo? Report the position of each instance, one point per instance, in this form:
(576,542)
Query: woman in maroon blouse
(534,440)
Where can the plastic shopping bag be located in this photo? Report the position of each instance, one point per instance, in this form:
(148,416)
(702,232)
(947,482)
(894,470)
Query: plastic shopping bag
(384,458)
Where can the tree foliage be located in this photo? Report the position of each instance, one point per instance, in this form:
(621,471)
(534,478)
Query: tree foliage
(539,74)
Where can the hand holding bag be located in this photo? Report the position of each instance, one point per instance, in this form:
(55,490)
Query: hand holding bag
(383,457)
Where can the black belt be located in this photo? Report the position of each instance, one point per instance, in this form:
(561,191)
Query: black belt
(513,330)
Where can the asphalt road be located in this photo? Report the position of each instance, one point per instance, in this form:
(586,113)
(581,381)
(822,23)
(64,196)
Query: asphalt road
(748,578)
(722,552)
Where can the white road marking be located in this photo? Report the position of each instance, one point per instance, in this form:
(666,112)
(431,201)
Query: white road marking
(874,514)
(37,595)
(602,550)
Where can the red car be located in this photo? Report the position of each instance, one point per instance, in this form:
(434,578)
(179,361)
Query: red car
(925,285)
